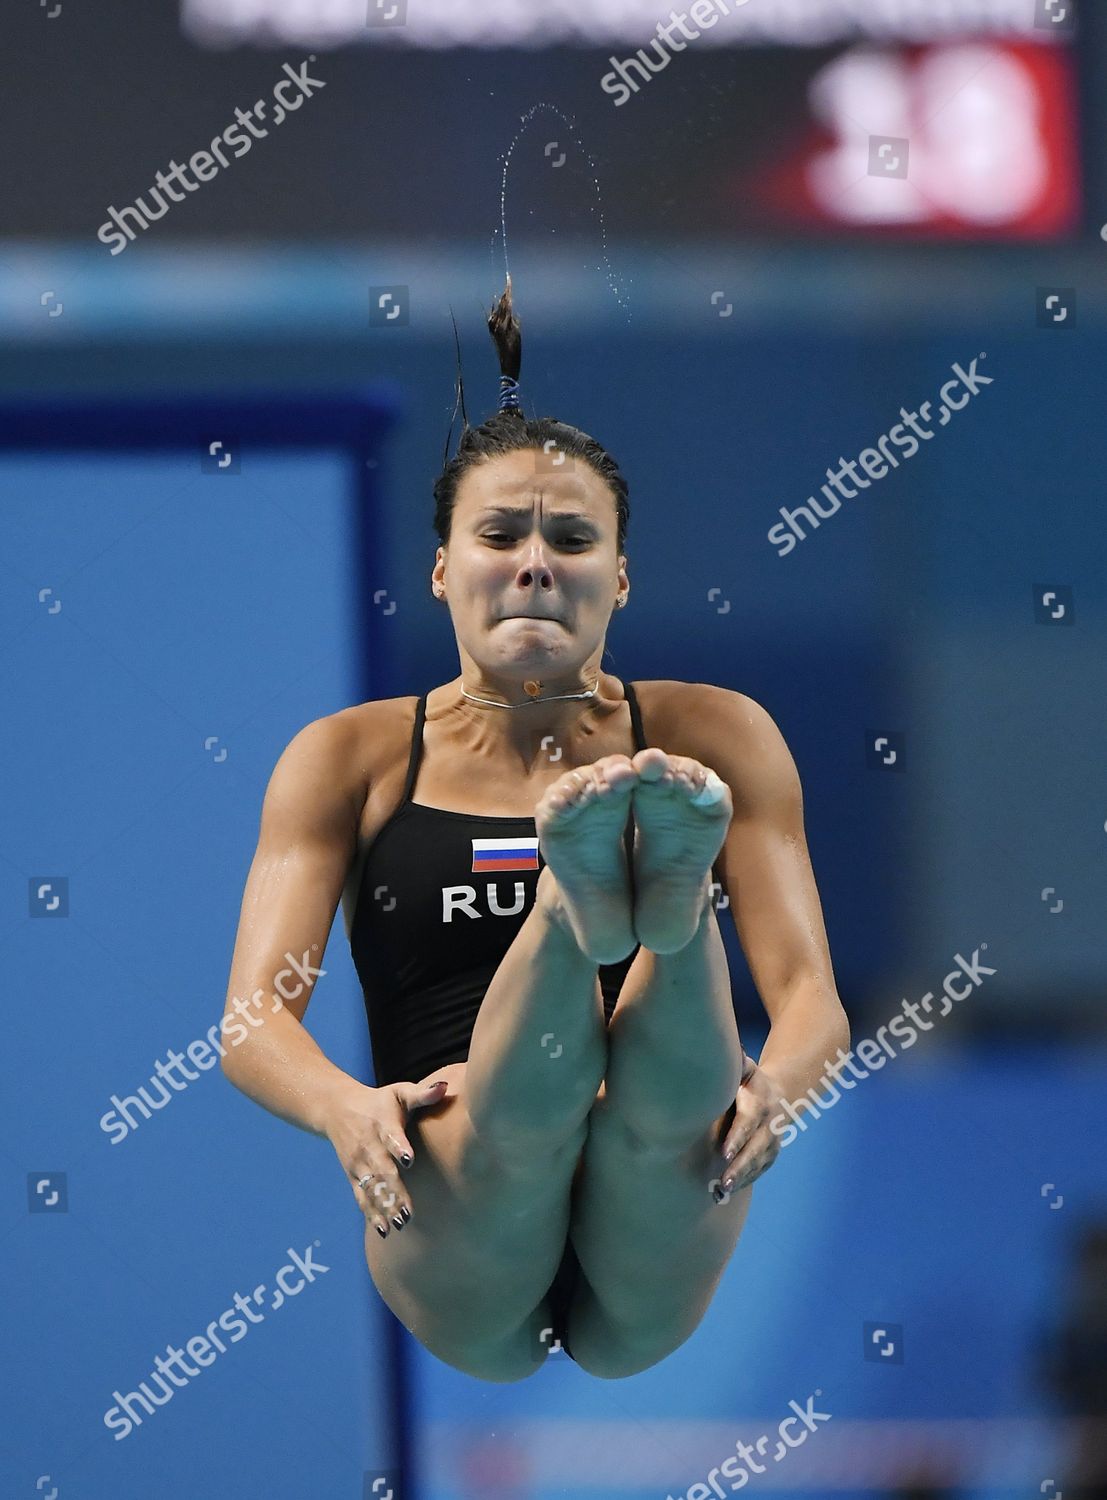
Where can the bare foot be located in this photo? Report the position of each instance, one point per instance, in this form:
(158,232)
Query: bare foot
(580,821)
(682,810)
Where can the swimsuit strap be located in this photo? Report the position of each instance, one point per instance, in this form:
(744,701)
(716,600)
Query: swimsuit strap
(416,749)
(640,742)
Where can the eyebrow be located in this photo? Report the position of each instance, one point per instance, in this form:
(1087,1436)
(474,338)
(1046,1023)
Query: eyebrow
(524,510)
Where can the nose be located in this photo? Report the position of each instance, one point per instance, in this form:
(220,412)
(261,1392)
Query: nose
(535,570)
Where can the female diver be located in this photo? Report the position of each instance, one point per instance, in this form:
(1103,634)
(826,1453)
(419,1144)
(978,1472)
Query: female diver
(560,1148)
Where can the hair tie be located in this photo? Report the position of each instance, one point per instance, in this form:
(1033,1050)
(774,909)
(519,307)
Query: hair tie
(509,393)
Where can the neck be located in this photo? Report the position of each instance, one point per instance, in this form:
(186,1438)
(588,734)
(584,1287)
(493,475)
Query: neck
(528,723)
(534,696)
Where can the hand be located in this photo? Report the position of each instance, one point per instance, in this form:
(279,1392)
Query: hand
(751,1147)
(366,1128)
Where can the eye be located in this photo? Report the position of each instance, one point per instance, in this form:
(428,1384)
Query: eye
(501,536)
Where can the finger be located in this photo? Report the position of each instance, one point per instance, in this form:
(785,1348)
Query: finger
(748,1178)
(363,1179)
(382,1208)
(750,1154)
(381,1195)
(738,1140)
(735,1175)
(746,1120)
(746,1172)
(418,1096)
(398,1147)
(411,1097)
(391,1210)
(363,1188)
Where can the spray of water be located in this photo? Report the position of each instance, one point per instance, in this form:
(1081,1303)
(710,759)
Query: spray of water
(596,208)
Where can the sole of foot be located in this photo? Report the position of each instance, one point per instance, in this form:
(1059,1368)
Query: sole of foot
(682,810)
(580,821)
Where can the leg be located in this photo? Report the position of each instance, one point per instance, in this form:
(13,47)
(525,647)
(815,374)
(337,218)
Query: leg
(643,1204)
(494,1163)
(494,1166)
(539,1044)
(468,1273)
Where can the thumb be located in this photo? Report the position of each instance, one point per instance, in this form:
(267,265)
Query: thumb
(408,1097)
(414,1096)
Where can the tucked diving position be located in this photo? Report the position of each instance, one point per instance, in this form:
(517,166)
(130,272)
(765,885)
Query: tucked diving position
(558,1152)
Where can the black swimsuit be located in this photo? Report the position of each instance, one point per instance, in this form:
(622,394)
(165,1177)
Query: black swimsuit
(441,898)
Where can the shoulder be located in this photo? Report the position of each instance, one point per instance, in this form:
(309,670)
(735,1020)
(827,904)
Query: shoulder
(682,709)
(348,749)
(724,729)
(376,718)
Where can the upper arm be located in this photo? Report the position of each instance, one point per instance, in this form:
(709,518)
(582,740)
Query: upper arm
(764,863)
(306,842)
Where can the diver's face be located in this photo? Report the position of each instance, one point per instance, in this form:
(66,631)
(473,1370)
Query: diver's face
(531,570)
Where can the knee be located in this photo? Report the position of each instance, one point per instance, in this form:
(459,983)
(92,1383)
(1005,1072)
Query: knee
(502,1366)
(613,1362)
(618,1356)
(612,1366)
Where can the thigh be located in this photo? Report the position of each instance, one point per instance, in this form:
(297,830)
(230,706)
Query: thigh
(467,1274)
(651,1240)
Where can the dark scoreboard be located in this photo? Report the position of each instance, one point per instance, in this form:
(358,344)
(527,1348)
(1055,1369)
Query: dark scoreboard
(919,119)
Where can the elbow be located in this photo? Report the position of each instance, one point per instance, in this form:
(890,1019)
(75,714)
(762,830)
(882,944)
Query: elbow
(231,1033)
(231,1068)
(833,1022)
(844,1028)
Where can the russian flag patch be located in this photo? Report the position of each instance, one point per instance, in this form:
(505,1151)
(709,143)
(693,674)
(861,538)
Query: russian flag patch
(493,855)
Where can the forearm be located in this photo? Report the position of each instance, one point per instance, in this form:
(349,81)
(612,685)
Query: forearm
(280,1065)
(804,1041)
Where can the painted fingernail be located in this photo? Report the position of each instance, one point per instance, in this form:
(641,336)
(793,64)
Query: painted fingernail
(405,1213)
(731,1154)
(399,1223)
(406,1159)
(382,1231)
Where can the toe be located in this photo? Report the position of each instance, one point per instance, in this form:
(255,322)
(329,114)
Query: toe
(616,770)
(651,763)
(574,784)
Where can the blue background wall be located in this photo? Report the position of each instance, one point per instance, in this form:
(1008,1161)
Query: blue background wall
(193,607)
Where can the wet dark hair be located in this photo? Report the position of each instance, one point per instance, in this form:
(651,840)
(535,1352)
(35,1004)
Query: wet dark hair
(509,430)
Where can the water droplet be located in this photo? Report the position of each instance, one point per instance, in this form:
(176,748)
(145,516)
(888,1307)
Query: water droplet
(595,181)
